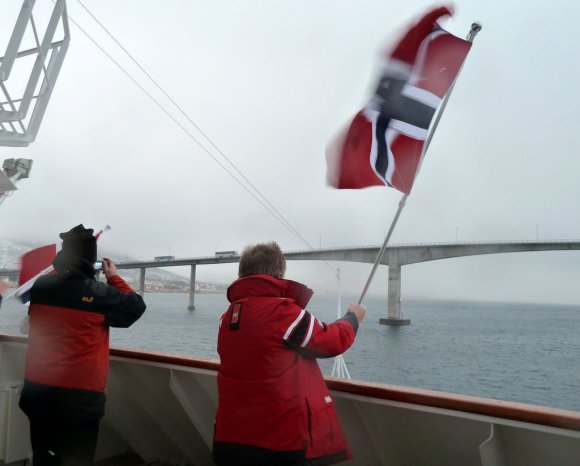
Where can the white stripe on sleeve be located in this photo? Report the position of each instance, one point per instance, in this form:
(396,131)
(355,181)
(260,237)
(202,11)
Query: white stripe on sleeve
(294,324)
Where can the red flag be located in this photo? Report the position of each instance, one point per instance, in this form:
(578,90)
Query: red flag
(384,142)
(36,263)
(33,264)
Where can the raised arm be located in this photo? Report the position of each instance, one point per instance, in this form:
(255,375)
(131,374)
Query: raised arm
(123,305)
(313,338)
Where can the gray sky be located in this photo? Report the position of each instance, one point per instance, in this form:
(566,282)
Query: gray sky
(271,82)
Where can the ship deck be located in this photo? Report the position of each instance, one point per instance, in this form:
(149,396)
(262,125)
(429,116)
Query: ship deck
(161,407)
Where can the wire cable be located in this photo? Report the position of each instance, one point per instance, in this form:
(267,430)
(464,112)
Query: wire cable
(256,194)
(164,110)
(274,211)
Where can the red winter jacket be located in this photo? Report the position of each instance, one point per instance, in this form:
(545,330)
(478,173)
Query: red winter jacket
(67,359)
(274,406)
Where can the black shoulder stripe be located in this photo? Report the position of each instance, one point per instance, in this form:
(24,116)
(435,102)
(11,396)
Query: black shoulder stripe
(299,332)
(308,353)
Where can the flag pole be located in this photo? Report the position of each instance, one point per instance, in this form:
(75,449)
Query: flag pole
(475,28)
(36,277)
(383,247)
(339,368)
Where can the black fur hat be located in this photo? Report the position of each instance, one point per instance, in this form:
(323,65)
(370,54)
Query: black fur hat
(79,250)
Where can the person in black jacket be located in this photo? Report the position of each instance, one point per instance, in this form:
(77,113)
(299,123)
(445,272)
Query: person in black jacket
(67,359)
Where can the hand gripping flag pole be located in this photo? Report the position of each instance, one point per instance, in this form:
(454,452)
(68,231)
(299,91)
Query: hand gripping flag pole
(475,28)
(339,368)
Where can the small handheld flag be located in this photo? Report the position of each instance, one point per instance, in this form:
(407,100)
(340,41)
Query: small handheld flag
(106,228)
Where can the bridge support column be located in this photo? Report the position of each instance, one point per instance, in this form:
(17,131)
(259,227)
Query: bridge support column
(394,316)
(191,306)
(142,281)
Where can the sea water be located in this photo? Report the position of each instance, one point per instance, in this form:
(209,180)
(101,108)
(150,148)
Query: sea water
(528,353)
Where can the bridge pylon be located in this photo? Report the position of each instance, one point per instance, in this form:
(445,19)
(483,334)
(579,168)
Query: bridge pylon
(394,314)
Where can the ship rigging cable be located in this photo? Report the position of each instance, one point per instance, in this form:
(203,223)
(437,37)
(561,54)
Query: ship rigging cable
(256,193)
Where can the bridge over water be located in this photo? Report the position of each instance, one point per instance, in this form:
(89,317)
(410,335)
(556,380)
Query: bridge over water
(395,257)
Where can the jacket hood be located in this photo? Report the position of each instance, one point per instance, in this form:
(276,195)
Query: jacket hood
(268,286)
(78,253)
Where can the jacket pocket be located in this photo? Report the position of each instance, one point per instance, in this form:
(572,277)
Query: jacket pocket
(323,426)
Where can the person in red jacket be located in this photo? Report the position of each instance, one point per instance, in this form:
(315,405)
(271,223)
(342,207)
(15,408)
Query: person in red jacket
(274,407)
(67,358)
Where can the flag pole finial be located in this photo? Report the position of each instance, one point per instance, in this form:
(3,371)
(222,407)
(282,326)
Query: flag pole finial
(475,28)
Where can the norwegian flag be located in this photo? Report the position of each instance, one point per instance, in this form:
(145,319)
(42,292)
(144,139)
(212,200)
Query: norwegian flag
(384,142)
(36,263)
(33,265)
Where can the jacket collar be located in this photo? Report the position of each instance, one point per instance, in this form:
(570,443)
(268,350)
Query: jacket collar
(267,286)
